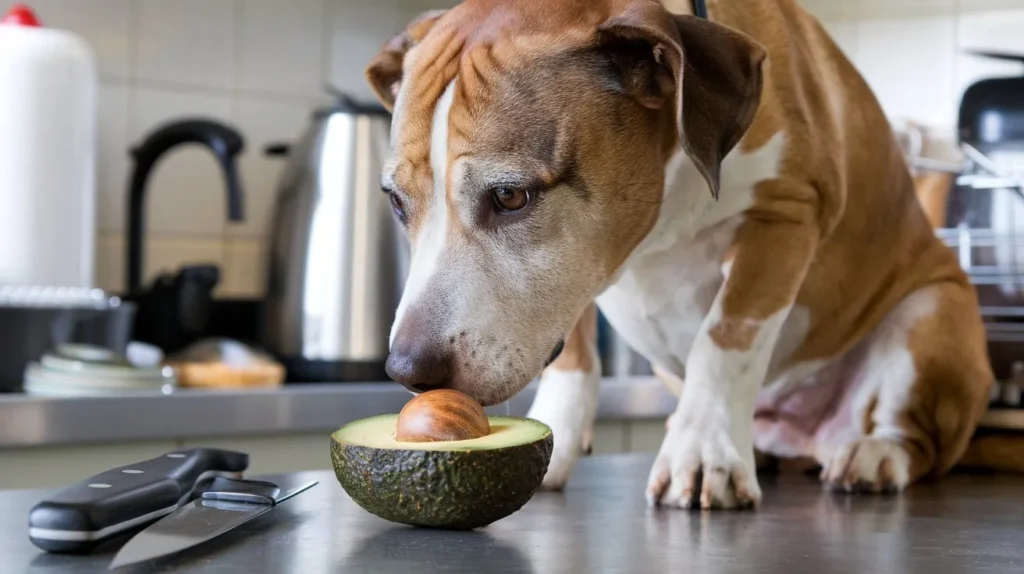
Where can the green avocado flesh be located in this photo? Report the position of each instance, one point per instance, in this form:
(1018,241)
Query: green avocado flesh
(460,485)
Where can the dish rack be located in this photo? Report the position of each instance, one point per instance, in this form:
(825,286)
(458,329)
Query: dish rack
(985,228)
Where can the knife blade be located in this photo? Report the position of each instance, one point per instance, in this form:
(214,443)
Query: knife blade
(80,517)
(225,505)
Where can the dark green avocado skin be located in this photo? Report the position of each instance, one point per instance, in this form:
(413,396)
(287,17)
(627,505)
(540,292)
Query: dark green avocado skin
(438,489)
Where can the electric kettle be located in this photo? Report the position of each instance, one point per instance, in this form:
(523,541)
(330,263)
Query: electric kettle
(336,258)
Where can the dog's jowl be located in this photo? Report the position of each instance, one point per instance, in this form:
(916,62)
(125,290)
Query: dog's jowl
(730,195)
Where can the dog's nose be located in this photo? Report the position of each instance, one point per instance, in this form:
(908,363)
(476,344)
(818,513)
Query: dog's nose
(417,360)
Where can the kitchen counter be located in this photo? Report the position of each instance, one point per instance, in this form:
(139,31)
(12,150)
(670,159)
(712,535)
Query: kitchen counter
(601,524)
(283,430)
(29,421)
(33,421)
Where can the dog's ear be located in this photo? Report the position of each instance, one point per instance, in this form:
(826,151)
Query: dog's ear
(385,70)
(710,73)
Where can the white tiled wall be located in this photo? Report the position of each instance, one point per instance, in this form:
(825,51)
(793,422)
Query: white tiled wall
(912,51)
(260,65)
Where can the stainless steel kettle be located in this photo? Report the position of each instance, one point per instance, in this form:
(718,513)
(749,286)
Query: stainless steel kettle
(336,258)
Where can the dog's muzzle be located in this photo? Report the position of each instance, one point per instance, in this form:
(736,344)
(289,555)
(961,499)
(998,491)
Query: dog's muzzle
(554,353)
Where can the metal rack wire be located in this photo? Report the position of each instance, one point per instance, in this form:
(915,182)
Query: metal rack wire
(985,227)
(985,233)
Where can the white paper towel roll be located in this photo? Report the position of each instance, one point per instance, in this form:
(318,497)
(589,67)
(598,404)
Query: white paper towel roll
(48,89)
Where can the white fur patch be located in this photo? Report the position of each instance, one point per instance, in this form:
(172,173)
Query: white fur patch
(712,427)
(720,372)
(567,402)
(859,466)
(430,241)
(888,371)
(665,289)
(884,378)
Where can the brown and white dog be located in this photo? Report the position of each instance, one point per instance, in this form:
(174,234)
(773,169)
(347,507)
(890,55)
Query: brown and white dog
(727,190)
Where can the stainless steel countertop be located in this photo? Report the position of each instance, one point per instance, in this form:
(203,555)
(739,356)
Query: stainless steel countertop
(27,421)
(600,524)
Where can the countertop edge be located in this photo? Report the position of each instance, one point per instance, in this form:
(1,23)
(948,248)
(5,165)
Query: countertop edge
(34,421)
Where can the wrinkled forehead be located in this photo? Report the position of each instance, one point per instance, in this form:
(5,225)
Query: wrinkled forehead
(489,80)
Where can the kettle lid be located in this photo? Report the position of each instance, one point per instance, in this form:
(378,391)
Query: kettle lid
(346,104)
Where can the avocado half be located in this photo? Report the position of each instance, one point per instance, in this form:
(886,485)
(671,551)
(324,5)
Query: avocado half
(462,485)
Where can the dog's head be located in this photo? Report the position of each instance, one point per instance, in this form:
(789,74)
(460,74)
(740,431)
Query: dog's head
(529,147)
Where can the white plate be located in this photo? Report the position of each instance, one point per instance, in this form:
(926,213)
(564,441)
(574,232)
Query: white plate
(59,363)
(36,374)
(43,389)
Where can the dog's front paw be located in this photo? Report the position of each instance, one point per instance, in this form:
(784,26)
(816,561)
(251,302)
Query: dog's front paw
(567,402)
(868,465)
(702,465)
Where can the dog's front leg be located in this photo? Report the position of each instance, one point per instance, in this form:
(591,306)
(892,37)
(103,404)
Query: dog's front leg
(567,398)
(710,435)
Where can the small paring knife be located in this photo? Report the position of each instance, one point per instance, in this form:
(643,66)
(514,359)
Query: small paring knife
(81,517)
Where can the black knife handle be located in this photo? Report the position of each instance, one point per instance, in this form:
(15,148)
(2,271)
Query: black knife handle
(80,517)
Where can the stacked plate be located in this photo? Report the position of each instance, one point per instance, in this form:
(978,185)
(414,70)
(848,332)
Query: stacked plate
(87,370)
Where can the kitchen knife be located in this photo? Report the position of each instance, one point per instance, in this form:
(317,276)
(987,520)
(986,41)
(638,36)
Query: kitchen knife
(83,516)
(224,505)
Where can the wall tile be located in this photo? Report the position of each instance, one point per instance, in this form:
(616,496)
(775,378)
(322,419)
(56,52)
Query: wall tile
(909,65)
(359,29)
(282,46)
(890,9)
(243,274)
(163,254)
(843,33)
(110,258)
(996,31)
(987,5)
(186,42)
(112,157)
(104,24)
(185,193)
(824,9)
(168,254)
(264,122)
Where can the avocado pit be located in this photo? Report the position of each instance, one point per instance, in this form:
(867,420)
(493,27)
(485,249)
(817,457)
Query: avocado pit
(441,415)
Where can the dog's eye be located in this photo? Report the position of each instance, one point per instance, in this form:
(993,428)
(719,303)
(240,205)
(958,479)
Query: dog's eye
(510,199)
(397,205)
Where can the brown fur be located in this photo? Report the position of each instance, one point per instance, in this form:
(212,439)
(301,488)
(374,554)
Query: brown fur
(839,231)
(576,355)
(829,204)
(933,192)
